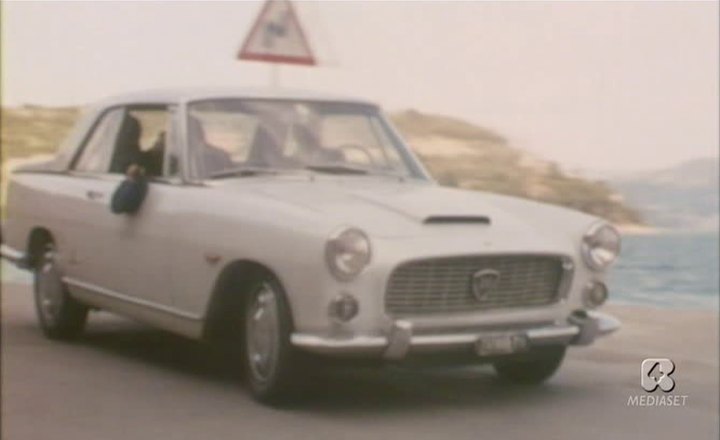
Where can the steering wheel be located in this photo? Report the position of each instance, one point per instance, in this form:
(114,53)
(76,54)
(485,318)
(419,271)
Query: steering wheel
(361,149)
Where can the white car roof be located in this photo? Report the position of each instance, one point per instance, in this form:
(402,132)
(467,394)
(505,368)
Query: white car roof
(182,95)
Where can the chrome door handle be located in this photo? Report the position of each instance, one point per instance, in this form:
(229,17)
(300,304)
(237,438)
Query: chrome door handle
(94,195)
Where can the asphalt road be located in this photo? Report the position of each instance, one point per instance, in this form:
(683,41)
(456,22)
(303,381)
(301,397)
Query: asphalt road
(127,381)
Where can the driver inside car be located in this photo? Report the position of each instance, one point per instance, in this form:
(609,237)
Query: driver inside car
(214,159)
(310,149)
(152,159)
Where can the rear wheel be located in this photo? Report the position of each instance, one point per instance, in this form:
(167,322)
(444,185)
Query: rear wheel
(531,368)
(269,357)
(60,315)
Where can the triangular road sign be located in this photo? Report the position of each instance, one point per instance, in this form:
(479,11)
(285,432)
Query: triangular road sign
(277,37)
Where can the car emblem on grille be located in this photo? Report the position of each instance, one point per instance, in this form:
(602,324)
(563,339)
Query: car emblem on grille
(483,282)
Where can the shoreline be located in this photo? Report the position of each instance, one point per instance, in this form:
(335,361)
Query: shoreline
(635,229)
(680,308)
(642,230)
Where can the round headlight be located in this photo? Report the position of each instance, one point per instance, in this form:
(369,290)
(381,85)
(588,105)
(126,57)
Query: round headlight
(601,246)
(595,294)
(347,253)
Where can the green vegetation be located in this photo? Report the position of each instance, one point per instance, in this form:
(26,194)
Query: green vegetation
(32,130)
(456,152)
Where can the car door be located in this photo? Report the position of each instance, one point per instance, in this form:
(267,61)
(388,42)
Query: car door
(86,193)
(139,244)
(124,256)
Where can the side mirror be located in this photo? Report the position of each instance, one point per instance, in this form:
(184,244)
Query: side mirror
(129,195)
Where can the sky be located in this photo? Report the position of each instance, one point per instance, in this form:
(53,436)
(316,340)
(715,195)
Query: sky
(602,86)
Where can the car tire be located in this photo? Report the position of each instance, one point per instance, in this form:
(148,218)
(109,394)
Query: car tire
(531,368)
(270,361)
(60,315)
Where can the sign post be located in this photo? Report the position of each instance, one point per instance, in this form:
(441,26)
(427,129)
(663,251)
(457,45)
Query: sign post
(277,37)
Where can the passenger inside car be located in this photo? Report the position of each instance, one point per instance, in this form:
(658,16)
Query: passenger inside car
(127,146)
(265,151)
(152,159)
(129,151)
(310,150)
(214,159)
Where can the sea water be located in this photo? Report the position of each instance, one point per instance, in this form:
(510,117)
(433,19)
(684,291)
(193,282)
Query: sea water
(668,270)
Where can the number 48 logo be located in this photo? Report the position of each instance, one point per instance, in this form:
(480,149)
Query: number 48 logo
(656,373)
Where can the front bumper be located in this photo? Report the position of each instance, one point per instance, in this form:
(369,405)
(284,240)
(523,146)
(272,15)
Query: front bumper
(580,329)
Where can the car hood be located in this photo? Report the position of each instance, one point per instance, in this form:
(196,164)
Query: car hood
(389,208)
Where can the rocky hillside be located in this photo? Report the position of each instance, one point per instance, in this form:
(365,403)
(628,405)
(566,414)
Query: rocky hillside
(456,152)
(461,154)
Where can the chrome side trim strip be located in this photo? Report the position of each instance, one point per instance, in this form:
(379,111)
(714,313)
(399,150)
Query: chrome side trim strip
(135,301)
(14,256)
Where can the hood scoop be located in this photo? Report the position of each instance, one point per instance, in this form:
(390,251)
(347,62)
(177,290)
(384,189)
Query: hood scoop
(457,220)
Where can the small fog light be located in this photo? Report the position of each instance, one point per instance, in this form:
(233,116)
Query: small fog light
(595,294)
(343,308)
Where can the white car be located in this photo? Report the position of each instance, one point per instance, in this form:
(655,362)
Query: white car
(288,224)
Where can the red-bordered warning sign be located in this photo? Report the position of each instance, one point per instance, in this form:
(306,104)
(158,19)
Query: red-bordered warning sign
(277,37)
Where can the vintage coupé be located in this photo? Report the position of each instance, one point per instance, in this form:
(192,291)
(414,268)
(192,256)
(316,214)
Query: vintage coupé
(288,224)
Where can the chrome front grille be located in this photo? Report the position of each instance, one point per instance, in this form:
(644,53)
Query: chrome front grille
(442,285)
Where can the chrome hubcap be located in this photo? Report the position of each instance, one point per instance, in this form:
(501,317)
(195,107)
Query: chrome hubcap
(49,288)
(262,333)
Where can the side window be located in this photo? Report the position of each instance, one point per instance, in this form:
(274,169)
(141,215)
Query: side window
(141,140)
(95,156)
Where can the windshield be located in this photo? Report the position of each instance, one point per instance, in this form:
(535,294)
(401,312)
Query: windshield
(234,137)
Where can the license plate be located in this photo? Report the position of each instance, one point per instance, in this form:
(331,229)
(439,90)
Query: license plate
(493,345)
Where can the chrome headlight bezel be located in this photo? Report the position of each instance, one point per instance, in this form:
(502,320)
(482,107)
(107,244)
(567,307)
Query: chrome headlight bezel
(347,253)
(601,246)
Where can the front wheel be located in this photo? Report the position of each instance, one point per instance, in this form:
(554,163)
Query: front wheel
(60,315)
(532,368)
(269,356)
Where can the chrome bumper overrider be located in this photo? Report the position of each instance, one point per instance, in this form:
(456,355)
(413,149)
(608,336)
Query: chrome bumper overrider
(579,330)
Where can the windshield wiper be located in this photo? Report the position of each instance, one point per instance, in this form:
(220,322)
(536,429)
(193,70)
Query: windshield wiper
(242,172)
(336,169)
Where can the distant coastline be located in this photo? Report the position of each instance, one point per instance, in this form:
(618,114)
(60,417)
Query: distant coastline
(638,229)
